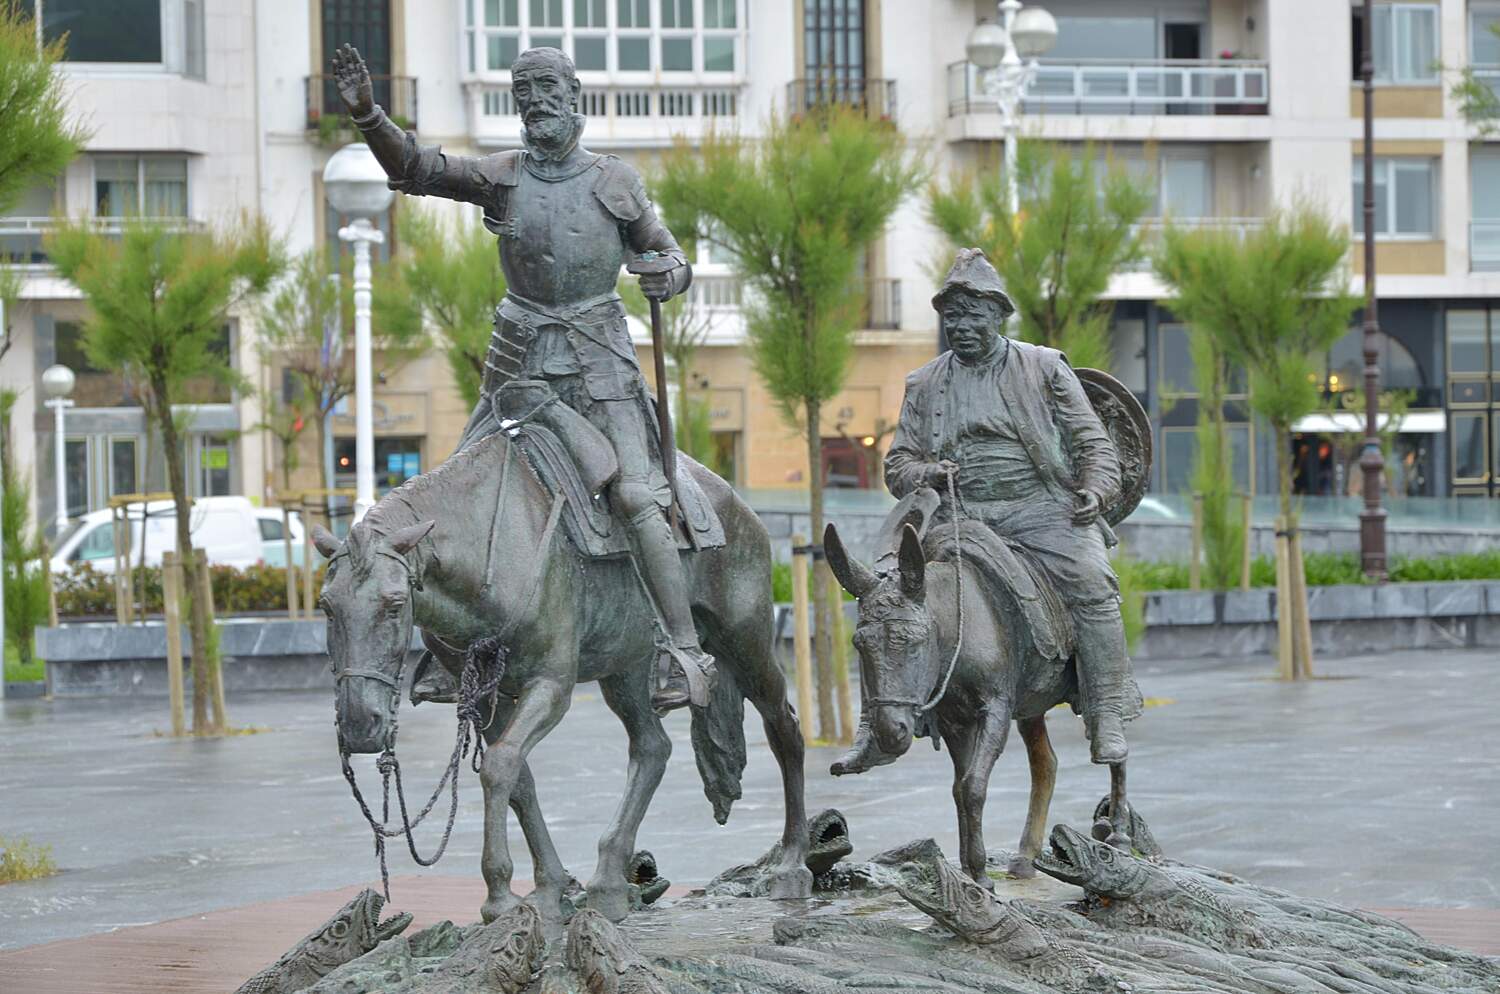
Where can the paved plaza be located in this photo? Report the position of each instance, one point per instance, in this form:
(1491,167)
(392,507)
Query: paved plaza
(1376,786)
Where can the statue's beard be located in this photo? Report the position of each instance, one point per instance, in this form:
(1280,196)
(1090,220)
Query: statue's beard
(551,132)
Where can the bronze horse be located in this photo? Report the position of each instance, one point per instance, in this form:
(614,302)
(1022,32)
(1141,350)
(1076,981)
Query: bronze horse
(907,631)
(471,551)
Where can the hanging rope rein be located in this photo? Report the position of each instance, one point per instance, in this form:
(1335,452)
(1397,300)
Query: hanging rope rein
(958,561)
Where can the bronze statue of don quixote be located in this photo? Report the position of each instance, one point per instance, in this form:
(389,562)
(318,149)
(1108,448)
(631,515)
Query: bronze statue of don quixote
(566,541)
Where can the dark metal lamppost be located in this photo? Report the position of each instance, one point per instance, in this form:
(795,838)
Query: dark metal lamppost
(1372,517)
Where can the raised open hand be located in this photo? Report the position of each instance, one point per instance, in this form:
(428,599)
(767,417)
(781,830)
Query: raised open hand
(353,81)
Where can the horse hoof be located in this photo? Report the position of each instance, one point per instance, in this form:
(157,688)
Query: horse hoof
(984,880)
(1118,840)
(497,905)
(794,884)
(1022,868)
(1103,829)
(612,902)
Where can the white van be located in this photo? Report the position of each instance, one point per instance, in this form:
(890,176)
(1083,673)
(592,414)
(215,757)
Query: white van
(231,530)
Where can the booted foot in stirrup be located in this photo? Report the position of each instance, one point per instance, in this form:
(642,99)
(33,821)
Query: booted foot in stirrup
(1107,737)
(690,678)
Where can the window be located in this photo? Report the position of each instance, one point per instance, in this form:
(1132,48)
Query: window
(833,41)
(192,39)
(130,186)
(1113,38)
(214,466)
(97,544)
(1404,198)
(76,476)
(590,35)
(1403,40)
(502,47)
(119,31)
(1187,187)
(1484,43)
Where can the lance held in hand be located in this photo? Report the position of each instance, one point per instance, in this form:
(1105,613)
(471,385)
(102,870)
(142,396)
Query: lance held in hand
(652,263)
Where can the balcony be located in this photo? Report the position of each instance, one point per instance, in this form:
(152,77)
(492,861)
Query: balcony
(1484,246)
(397,94)
(876,97)
(715,291)
(1151,230)
(1156,87)
(21,238)
(618,116)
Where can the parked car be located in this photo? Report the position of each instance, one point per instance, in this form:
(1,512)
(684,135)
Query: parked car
(233,531)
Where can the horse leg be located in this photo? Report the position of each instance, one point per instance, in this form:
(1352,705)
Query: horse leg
(541,706)
(761,680)
(551,876)
(628,695)
(1119,809)
(1043,762)
(971,784)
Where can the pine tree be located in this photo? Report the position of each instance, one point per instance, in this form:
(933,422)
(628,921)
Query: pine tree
(37,140)
(159,297)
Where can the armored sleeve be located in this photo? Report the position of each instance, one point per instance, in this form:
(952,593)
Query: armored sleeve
(623,194)
(424,170)
(906,462)
(1096,463)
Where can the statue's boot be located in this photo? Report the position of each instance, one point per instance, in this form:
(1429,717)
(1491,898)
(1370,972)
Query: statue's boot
(864,754)
(1104,670)
(690,670)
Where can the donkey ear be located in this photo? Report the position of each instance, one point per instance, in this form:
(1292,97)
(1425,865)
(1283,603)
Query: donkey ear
(406,539)
(853,575)
(324,541)
(913,564)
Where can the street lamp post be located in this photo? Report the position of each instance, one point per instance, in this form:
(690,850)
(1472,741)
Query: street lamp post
(1372,517)
(998,50)
(57,384)
(357,188)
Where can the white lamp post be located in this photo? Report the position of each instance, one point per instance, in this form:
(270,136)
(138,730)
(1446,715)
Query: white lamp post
(997,50)
(356,187)
(57,383)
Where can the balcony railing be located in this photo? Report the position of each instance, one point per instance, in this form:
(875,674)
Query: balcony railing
(397,94)
(883,304)
(618,114)
(715,291)
(21,238)
(1103,86)
(1484,246)
(876,97)
(1151,230)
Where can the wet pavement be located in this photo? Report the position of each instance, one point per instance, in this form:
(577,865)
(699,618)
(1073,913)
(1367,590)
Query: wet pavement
(1377,786)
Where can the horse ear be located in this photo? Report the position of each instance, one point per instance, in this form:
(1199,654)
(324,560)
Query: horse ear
(324,541)
(853,575)
(913,564)
(406,539)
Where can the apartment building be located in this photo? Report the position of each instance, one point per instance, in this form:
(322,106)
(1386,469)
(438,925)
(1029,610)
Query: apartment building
(1224,107)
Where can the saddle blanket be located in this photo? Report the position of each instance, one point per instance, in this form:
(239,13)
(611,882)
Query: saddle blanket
(586,517)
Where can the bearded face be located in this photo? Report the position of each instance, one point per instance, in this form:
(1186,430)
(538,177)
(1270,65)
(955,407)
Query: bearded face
(545,96)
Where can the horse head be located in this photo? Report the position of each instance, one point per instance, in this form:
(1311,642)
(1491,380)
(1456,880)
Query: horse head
(894,636)
(367,596)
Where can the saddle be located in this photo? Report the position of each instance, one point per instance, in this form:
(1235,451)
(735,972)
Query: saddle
(571,458)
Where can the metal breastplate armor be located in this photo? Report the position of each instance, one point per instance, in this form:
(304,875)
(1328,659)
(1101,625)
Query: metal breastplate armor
(562,246)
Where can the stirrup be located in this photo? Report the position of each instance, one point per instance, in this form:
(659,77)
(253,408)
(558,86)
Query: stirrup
(690,678)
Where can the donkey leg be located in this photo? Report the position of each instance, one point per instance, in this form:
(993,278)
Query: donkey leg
(1119,808)
(540,708)
(1043,763)
(972,785)
(628,695)
(761,680)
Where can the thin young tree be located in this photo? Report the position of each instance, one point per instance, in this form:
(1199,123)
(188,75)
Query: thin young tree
(159,298)
(307,330)
(37,140)
(1074,230)
(451,272)
(1213,465)
(795,210)
(1275,300)
(24,578)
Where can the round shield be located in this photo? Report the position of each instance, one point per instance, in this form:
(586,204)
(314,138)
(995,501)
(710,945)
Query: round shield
(1125,420)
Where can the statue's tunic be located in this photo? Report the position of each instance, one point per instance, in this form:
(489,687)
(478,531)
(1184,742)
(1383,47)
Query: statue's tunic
(1027,440)
(566,227)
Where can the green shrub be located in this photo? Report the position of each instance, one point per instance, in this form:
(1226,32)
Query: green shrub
(22,860)
(85,591)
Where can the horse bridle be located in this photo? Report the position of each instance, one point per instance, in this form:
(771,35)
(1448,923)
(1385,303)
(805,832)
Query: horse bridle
(413,585)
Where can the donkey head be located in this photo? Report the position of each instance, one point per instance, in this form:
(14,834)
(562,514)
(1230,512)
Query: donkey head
(894,636)
(367,596)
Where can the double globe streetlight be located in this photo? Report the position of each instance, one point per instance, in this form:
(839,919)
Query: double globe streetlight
(998,51)
(357,187)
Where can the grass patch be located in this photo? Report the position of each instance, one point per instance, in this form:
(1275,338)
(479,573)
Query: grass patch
(21,859)
(33,672)
(1324,569)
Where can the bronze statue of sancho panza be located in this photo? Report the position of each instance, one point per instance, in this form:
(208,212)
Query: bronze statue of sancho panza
(567,220)
(1033,462)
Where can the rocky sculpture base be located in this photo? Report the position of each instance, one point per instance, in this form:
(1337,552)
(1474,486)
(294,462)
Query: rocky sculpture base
(908,920)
